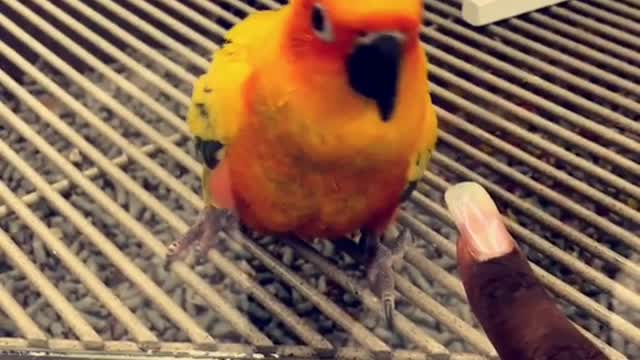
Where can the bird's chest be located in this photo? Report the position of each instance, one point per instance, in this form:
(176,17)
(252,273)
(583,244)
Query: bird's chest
(290,186)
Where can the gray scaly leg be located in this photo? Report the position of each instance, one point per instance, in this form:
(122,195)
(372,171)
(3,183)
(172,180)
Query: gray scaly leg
(379,260)
(202,234)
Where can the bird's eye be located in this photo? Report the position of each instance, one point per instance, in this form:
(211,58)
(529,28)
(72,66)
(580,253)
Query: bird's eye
(320,24)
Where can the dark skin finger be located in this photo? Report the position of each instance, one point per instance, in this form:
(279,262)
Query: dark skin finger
(518,315)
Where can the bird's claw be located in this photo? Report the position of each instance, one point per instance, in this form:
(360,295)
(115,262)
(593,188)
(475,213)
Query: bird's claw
(402,243)
(201,236)
(389,306)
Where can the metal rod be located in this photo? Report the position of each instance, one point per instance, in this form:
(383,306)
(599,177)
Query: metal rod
(100,291)
(91,173)
(100,94)
(80,327)
(118,54)
(286,315)
(132,41)
(556,197)
(131,150)
(27,327)
(240,323)
(331,310)
(622,37)
(175,25)
(556,285)
(115,255)
(622,23)
(585,45)
(155,34)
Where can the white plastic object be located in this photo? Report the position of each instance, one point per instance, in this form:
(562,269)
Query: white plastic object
(483,12)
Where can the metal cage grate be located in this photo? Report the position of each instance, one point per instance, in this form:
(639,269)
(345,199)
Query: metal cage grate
(98,176)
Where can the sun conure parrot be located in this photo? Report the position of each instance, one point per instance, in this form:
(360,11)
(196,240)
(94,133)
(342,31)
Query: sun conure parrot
(315,121)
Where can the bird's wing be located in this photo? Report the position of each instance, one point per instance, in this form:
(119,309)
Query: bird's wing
(217,108)
(423,154)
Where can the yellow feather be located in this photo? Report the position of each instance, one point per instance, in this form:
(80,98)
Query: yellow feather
(218,108)
(426,146)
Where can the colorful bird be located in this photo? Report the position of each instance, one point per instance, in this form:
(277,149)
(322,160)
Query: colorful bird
(315,121)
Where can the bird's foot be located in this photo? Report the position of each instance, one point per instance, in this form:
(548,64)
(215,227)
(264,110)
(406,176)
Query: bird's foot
(380,263)
(202,235)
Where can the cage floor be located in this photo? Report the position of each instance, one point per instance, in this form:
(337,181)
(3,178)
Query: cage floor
(98,175)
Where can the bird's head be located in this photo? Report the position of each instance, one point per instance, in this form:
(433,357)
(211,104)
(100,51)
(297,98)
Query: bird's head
(363,44)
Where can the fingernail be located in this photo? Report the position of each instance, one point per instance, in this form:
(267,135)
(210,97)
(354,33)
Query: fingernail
(477,217)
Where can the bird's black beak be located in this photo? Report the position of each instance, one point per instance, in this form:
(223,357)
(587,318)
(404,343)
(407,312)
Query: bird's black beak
(374,69)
